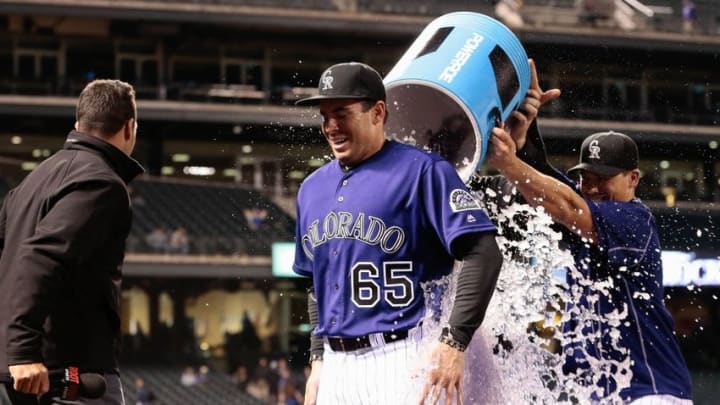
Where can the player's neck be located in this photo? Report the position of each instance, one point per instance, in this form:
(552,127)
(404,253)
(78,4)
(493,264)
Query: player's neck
(348,167)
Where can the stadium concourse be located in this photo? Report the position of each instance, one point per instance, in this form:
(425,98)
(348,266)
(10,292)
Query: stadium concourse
(218,218)
(206,275)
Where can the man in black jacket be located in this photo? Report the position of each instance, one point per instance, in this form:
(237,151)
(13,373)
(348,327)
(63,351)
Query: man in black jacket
(62,235)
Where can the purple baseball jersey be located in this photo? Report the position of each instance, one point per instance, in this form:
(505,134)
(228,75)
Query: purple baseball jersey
(369,235)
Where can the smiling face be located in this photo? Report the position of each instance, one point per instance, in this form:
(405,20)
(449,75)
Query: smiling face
(620,187)
(353,128)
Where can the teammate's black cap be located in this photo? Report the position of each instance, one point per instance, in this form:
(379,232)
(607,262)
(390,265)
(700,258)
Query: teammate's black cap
(607,154)
(353,80)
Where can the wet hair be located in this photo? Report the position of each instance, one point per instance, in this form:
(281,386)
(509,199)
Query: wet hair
(104,106)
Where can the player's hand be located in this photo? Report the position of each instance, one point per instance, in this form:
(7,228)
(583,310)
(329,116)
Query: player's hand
(30,378)
(502,151)
(519,120)
(313,382)
(447,366)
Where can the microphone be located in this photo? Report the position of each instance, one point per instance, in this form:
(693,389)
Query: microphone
(68,384)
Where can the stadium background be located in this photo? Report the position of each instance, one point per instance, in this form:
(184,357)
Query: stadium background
(225,151)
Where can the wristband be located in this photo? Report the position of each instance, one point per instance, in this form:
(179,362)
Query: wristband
(315,357)
(446,338)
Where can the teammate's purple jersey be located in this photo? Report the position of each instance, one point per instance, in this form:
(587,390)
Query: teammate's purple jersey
(369,235)
(628,254)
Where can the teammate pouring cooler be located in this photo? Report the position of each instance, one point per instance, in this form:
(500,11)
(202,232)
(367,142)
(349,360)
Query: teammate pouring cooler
(372,225)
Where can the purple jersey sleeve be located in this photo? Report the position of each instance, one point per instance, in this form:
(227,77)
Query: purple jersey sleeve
(451,209)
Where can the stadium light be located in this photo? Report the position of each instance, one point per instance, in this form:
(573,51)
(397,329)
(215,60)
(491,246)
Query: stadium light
(28,166)
(199,170)
(180,158)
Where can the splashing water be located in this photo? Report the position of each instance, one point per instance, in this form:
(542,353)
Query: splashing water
(515,356)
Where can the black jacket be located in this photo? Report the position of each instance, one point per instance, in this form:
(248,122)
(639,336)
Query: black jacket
(62,235)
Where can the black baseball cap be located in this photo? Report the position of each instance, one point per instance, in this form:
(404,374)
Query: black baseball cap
(607,154)
(352,80)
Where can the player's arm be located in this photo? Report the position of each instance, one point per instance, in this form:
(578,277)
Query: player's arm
(481,261)
(316,351)
(522,126)
(316,342)
(522,122)
(534,152)
(560,201)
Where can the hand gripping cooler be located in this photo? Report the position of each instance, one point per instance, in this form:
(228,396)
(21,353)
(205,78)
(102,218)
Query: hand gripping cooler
(464,73)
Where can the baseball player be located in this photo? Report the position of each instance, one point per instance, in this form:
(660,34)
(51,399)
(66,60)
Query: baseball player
(372,225)
(614,241)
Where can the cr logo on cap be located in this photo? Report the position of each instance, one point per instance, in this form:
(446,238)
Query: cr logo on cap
(327,81)
(594,149)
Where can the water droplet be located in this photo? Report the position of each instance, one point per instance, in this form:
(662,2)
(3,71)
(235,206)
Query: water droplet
(528,292)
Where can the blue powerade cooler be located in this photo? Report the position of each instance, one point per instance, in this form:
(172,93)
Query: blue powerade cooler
(464,73)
